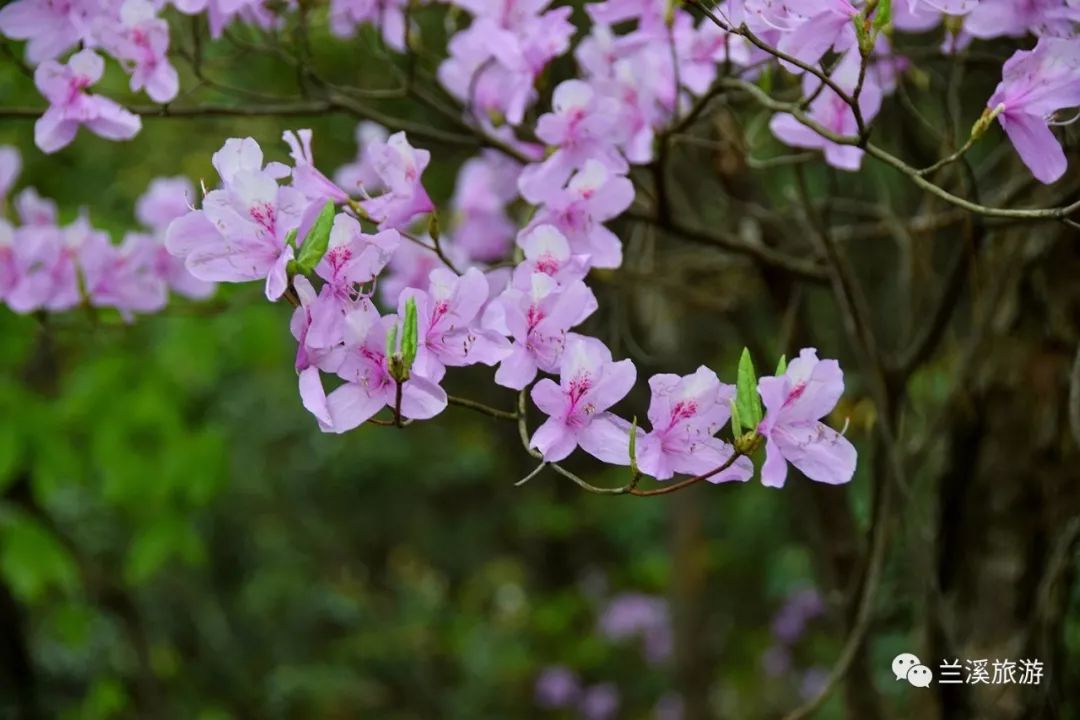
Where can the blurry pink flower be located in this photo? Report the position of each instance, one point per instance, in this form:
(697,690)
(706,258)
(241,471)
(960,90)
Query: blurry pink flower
(70,106)
(140,41)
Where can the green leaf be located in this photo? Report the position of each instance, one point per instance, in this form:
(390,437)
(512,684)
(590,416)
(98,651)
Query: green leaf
(159,543)
(781,367)
(391,340)
(409,334)
(317,240)
(32,559)
(290,238)
(746,395)
(883,16)
(736,421)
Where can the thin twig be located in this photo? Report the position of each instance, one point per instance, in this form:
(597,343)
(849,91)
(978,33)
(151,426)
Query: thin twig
(481,408)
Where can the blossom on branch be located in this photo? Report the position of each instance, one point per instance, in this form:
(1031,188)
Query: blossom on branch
(589,383)
(795,402)
(71,107)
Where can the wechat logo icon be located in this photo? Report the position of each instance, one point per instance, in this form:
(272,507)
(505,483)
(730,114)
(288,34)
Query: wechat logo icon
(906,666)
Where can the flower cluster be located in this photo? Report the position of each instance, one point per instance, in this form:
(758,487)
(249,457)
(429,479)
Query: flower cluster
(641,65)
(335,247)
(49,266)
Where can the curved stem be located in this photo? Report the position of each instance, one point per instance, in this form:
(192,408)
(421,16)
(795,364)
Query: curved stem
(481,408)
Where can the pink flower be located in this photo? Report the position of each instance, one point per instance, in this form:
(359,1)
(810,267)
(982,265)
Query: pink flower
(494,63)
(485,185)
(70,106)
(1035,84)
(10,166)
(222,12)
(547,251)
(51,27)
(388,15)
(33,209)
(582,126)
(830,111)
(539,320)
(794,404)
(448,321)
(123,277)
(700,49)
(164,201)
(399,166)
(305,176)
(9,270)
(140,41)
(685,414)
(1016,18)
(46,276)
(359,177)
(327,357)
(352,258)
(239,234)
(593,196)
(824,24)
(411,266)
(589,384)
(368,385)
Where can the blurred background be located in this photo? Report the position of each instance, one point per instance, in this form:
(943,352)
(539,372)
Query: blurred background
(177,539)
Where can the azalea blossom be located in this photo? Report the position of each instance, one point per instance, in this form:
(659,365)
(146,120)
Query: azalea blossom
(538,319)
(165,200)
(825,24)
(448,316)
(399,166)
(685,414)
(830,111)
(305,176)
(485,185)
(240,232)
(589,383)
(794,403)
(124,277)
(593,196)
(353,258)
(45,269)
(10,166)
(71,107)
(139,39)
(582,126)
(387,15)
(368,387)
(1035,84)
(50,28)
(547,251)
